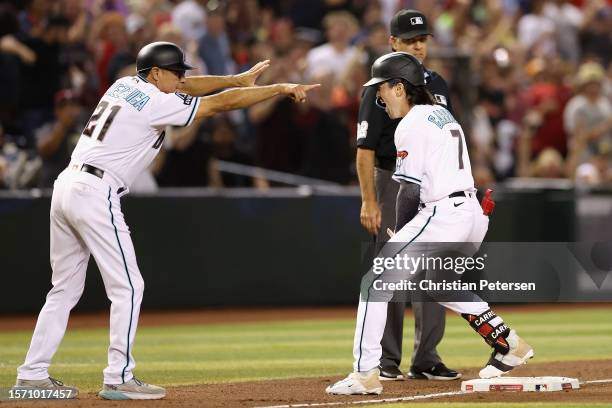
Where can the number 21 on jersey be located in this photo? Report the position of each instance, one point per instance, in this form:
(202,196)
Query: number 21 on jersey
(92,124)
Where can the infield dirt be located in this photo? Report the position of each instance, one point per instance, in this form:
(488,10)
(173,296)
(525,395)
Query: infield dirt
(312,390)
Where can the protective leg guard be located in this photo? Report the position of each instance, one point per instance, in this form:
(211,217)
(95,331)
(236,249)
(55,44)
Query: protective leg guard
(491,328)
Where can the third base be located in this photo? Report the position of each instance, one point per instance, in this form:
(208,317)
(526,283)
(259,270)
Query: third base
(528,384)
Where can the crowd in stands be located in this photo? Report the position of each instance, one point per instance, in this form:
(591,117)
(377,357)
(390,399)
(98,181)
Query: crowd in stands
(531,82)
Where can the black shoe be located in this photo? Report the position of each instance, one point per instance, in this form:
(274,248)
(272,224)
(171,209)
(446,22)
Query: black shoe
(439,372)
(390,373)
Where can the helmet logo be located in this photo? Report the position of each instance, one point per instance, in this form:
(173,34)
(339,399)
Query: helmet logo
(416,20)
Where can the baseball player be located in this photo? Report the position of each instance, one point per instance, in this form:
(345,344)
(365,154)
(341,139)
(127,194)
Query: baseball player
(122,137)
(375,164)
(436,203)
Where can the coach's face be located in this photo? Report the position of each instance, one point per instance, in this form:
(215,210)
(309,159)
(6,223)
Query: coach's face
(394,97)
(416,46)
(166,80)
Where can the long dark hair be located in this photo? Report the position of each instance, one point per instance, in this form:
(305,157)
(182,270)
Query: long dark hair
(417,95)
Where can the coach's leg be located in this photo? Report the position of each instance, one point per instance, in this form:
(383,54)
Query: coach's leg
(386,192)
(108,237)
(69,257)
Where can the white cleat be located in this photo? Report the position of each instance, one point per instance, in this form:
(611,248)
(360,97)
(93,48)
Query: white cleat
(357,383)
(500,364)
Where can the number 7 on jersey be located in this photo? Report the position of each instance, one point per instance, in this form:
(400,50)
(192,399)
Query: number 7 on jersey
(456,133)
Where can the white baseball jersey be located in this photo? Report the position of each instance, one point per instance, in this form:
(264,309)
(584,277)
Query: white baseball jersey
(126,130)
(431,152)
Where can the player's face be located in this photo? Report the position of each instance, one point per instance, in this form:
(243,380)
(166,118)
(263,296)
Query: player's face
(394,98)
(416,46)
(168,81)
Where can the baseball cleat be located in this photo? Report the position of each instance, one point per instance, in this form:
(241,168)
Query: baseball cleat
(500,364)
(132,390)
(357,383)
(439,372)
(48,383)
(390,373)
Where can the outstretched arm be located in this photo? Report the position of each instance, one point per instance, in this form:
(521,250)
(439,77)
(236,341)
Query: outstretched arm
(205,84)
(239,98)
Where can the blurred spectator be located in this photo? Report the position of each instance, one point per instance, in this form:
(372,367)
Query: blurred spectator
(546,99)
(214,46)
(140,32)
(112,38)
(336,55)
(56,139)
(281,36)
(223,143)
(43,78)
(588,121)
(168,32)
(307,139)
(74,11)
(190,18)
(3,162)
(326,148)
(14,54)
(185,159)
(548,164)
(567,19)
(536,31)
(376,43)
(508,63)
(596,171)
(596,35)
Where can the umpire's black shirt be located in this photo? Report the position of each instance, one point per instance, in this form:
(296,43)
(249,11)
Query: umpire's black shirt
(376,130)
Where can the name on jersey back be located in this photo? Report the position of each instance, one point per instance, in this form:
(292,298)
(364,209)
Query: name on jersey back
(133,96)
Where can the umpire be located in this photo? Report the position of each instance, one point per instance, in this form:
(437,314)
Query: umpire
(376,156)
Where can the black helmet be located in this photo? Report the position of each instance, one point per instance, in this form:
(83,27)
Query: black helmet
(397,65)
(161,54)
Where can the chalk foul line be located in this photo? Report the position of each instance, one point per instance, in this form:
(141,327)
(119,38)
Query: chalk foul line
(400,399)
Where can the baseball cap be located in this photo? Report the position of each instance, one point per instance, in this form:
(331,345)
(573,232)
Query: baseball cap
(590,72)
(407,24)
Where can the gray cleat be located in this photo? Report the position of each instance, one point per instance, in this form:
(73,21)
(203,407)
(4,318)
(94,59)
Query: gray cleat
(48,383)
(132,390)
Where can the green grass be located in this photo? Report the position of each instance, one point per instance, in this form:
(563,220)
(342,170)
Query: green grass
(256,351)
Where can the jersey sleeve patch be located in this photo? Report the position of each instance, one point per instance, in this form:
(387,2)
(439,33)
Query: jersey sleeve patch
(362,129)
(187,99)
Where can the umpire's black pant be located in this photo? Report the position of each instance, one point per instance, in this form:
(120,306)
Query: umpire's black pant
(429,317)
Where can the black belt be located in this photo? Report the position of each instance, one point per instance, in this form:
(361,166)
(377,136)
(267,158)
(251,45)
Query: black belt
(88,168)
(453,195)
(460,194)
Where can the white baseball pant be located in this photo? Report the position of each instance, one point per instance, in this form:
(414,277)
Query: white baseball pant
(86,219)
(441,221)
